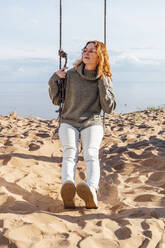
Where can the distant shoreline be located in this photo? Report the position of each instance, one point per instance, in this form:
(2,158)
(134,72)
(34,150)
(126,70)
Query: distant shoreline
(32,99)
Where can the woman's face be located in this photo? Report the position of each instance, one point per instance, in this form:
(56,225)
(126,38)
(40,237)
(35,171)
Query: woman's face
(90,56)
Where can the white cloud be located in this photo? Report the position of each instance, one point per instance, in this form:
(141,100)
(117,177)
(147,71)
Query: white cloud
(34,21)
(131,57)
(4,68)
(21,69)
(13,52)
(29,69)
(125,67)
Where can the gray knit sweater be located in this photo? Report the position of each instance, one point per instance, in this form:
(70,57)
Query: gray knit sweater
(85,95)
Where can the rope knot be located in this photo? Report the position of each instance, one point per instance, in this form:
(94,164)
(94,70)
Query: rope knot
(62,54)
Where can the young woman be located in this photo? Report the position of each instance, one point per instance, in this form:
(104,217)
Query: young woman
(88,90)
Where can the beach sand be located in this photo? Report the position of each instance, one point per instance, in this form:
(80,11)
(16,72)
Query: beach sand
(131,196)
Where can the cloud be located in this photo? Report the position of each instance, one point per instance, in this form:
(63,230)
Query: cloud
(15,52)
(29,69)
(21,69)
(133,60)
(4,68)
(34,21)
(37,64)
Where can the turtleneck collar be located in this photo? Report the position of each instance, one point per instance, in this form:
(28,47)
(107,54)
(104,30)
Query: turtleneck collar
(90,73)
(86,74)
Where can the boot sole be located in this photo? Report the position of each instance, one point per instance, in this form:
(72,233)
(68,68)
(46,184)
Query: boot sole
(68,192)
(84,193)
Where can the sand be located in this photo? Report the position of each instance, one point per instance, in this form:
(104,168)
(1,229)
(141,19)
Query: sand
(131,211)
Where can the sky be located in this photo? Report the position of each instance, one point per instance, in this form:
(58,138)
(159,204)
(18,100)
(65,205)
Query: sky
(30,37)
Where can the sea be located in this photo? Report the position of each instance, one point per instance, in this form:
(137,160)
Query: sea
(31,99)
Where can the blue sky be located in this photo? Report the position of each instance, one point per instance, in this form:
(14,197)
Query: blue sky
(30,37)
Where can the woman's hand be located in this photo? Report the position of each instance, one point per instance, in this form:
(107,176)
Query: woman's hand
(61,73)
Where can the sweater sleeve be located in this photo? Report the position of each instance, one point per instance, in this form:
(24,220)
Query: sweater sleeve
(107,97)
(53,89)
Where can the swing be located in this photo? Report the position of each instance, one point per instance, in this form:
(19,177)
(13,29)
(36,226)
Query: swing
(63,55)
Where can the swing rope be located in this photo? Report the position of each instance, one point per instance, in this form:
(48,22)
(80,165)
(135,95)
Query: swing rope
(105,38)
(105,21)
(61,81)
(61,53)
(60,30)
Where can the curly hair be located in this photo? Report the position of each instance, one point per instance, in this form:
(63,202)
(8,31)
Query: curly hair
(103,68)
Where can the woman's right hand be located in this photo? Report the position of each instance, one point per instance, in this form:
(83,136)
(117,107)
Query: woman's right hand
(61,73)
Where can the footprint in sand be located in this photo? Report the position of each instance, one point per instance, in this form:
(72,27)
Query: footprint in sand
(33,147)
(43,135)
(109,193)
(26,133)
(5,242)
(123,233)
(8,143)
(157,179)
(5,158)
(145,225)
(146,198)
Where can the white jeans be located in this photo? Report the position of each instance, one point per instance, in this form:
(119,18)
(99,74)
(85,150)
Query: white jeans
(91,138)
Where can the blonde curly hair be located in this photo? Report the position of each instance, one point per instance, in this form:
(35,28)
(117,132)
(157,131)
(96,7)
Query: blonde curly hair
(103,68)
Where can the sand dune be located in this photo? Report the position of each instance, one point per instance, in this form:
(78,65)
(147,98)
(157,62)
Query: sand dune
(131,211)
